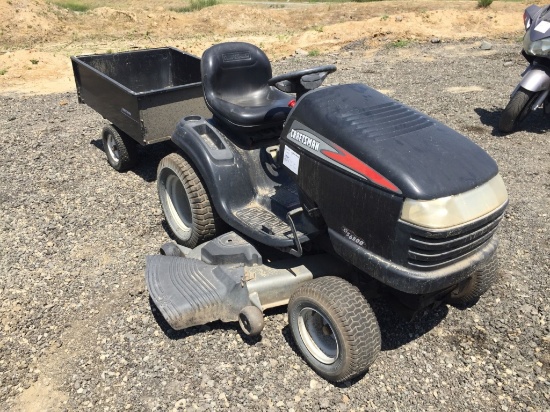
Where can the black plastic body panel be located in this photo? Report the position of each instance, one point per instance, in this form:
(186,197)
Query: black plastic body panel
(422,157)
(144,92)
(238,178)
(409,280)
(351,206)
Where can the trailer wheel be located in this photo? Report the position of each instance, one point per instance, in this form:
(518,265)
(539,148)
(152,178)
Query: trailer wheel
(185,202)
(334,327)
(121,149)
(470,290)
(517,109)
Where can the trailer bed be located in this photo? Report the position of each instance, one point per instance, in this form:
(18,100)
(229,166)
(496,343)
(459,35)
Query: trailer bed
(144,93)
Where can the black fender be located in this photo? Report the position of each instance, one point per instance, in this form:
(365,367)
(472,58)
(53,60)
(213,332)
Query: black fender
(232,175)
(220,168)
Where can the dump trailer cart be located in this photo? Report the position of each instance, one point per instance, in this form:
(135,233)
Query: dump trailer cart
(142,93)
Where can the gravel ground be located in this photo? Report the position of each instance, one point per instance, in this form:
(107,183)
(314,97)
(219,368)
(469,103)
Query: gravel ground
(77,327)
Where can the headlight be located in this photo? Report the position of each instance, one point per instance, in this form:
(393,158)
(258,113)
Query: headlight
(536,48)
(456,210)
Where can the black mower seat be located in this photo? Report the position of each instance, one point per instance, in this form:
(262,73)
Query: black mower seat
(234,80)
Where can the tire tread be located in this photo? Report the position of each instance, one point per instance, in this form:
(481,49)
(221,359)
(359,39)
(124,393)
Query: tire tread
(478,284)
(347,304)
(127,148)
(516,110)
(205,222)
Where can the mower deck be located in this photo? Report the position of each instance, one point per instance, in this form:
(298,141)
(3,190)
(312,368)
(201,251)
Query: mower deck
(220,278)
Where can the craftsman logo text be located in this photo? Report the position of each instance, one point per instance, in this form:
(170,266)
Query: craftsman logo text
(304,139)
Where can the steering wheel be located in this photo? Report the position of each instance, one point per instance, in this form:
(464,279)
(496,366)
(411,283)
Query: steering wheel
(301,81)
(297,75)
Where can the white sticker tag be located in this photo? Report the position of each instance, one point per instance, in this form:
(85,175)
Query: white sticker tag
(291,159)
(543,27)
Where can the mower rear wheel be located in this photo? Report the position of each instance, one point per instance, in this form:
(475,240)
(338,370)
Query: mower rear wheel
(470,290)
(185,202)
(334,327)
(121,149)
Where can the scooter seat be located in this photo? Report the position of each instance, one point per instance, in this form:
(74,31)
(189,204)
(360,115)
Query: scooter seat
(234,80)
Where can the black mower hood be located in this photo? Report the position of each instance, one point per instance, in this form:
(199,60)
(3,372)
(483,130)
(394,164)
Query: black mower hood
(420,156)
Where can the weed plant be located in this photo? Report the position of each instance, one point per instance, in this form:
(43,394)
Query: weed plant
(484,3)
(73,5)
(196,5)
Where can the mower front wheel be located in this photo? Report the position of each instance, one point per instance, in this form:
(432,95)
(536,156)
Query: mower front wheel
(185,202)
(334,328)
(470,290)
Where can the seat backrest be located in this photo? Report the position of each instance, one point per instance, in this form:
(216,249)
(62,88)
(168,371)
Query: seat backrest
(232,70)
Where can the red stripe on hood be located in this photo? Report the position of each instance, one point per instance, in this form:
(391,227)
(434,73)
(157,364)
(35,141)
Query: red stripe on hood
(347,159)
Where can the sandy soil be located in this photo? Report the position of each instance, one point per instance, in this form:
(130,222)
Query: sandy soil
(37,38)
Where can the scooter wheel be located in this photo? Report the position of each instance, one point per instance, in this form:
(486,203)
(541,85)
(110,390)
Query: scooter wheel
(334,328)
(468,292)
(517,109)
(185,202)
(121,149)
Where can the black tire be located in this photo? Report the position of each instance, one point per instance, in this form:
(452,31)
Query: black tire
(185,202)
(470,290)
(334,327)
(251,320)
(517,110)
(171,249)
(121,149)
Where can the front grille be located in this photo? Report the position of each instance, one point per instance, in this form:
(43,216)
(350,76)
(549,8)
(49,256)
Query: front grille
(430,250)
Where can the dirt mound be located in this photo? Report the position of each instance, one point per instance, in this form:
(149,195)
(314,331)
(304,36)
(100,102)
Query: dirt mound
(26,22)
(40,27)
